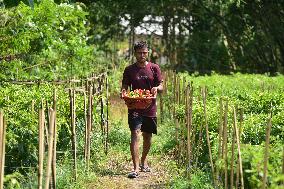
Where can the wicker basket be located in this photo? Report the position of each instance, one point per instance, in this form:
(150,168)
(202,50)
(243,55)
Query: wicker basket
(138,103)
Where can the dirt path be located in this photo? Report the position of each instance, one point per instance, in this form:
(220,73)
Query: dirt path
(118,179)
(113,173)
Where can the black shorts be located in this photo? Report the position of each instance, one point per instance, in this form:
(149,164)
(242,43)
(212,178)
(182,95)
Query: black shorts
(144,123)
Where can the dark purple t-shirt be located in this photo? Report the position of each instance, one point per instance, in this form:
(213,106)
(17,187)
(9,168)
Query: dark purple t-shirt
(147,77)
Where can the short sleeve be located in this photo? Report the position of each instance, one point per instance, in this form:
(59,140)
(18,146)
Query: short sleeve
(158,74)
(126,77)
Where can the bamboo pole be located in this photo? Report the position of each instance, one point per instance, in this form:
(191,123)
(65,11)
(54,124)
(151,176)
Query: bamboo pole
(50,149)
(2,147)
(232,157)
(204,95)
(74,139)
(174,92)
(239,151)
(107,114)
(161,107)
(283,165)
(225,143)
(89,126)
(165,83)
(86,122)
(200,130)
(41,147)
(54,142)
(220,138)
(240,138)
(189,101)
(102,109)
(47,123)
(266,152)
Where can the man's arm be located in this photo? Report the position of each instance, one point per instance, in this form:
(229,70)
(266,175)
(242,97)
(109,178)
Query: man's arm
(123,90)
(157,89)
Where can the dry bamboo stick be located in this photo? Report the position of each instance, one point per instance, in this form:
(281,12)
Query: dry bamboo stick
(161,107)
(86,122)
(74,140)
(50,149)
(54,142)
(102,110)
(107,115)
(283,165)
(204,95)
(220,138)
(239,151)
(225,144)
(165,82)
(47,123)
(2,148)
(41,147)
(174,92)
(178,90)
(240,138)
(232,157)
(266,152)
(184,87)
(189,93)
(89,126)
(200,130)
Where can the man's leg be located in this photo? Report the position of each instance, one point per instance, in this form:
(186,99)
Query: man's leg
(134,148)
(146,147)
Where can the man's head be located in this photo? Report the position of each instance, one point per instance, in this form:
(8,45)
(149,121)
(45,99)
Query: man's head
(141,51)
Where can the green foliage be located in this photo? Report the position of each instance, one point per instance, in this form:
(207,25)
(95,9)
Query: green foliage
(251,94)
(47,42)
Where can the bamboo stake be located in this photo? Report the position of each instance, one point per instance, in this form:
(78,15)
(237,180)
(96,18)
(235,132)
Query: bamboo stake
(74,141)
(174,92)
(41,147)
(204,95)
(50,149)
(2,147)
(86,122)
(107,114)
(102,110)
(240,136)
(3,150)
(232,157)
(165,83)
(189,101)
(220,138)
(225,143)
(266,152)
(47,123)
(200,130)
(89,125)
(54,142)
(161,107)
(178,90)
(283,165)
(239,151)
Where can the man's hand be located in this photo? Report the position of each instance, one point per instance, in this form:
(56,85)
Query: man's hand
(122,93)
(154,91)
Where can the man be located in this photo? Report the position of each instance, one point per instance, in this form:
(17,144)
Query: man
(142,75)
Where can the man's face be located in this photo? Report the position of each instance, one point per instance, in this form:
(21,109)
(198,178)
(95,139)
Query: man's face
(141,55)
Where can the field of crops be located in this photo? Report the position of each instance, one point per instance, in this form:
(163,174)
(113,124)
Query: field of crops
(254,98)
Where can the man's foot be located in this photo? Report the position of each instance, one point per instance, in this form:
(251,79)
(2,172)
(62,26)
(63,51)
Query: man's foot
(133,174)
(145,168)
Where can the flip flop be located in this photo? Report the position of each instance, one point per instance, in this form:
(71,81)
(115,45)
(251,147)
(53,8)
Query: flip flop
(145,169)
(133,174)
